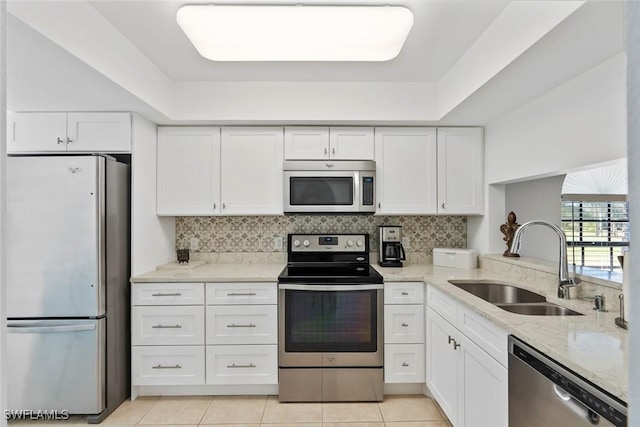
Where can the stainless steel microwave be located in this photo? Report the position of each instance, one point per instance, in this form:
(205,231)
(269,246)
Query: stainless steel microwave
(329,186)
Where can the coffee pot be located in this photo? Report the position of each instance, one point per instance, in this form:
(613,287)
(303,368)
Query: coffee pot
(391,249)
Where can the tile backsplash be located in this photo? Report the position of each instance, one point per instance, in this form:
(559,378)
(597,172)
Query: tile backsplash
(218,234)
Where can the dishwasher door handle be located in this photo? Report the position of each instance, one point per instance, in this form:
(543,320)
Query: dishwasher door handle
(575,405)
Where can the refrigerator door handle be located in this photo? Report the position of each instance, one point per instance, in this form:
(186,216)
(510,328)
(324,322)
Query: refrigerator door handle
(17,328)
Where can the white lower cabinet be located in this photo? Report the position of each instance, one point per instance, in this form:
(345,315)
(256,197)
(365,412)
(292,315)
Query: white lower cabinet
(404,332)
(242,364)
(469,384)
(167,365)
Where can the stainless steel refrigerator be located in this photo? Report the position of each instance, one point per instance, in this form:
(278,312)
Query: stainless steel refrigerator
(67,289)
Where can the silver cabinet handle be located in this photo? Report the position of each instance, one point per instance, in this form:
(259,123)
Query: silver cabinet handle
(451,339)
(442,206)
(333,150)
(60,141)
(456,345)
(246,294)
(176,294)
(404,293)
(69,140)
(405,364)
(250,365)
(233,325)
(404,325)
(379,206)
(325,151)
(214,206)
(166,327)
(166,367)
(224,206)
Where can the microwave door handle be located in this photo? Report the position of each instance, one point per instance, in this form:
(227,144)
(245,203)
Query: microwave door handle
(357,198)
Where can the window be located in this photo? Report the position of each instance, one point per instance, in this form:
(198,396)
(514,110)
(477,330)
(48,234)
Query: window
(597,232)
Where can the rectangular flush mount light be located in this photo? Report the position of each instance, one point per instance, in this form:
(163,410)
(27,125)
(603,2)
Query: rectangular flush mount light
(296,33)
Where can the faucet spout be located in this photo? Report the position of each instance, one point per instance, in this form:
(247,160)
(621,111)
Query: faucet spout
(564,281)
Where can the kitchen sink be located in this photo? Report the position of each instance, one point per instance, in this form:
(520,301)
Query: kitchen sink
(512,298)
(498,293)
(539,309)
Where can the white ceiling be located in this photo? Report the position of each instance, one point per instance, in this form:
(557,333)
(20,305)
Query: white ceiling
(465,62)
(442,32)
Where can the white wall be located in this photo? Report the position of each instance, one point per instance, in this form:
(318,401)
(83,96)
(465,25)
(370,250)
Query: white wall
(537,200)
(3,157)
(152,237)
(633,147)
(580,123)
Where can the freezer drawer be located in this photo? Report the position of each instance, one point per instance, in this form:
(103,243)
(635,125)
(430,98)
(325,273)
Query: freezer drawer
(56,364)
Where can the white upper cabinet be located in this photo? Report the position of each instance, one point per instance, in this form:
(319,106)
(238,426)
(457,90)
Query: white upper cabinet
(70,132)
(406,162)
(460,171)
(188,171)
(251,170)
(337,143)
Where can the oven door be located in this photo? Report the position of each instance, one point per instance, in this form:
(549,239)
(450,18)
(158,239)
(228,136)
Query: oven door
(322,191)
(330,325)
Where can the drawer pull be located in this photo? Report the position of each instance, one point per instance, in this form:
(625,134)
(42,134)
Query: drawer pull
(404,325)
(166,326)
(404,294)
(250,365)
(451,339)
(176,294)
(238,294)
(166,367)
(233,325)
(405,364)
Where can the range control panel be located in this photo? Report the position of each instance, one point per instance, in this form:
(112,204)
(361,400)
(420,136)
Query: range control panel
(328,242)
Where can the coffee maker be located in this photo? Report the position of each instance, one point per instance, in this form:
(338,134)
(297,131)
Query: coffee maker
(391,249)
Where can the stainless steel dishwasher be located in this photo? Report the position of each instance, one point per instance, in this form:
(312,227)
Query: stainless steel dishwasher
(543,393)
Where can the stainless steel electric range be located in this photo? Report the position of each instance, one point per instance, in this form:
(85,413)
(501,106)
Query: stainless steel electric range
(330,346)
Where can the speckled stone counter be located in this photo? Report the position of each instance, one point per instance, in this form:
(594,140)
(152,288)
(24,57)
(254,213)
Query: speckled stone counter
(591,345)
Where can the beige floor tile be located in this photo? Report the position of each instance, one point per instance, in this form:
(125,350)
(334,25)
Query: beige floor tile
(235,409)
(350,412)
(229,425)
(33,420)
(353,425)
(276,412)
(293,425)
(409,408)
(177,410)
(130,413)
(417,424)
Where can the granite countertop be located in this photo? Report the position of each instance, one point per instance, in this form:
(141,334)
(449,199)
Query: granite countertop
(590,345)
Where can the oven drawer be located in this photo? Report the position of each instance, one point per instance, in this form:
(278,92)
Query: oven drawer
(404,293)
(242,364)
(167,293)
(242,293)
(178,325)
(403,324)
(404,363)
(167,365)
(247,324)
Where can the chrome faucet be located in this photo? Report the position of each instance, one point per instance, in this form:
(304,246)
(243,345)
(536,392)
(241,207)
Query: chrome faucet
(564,282)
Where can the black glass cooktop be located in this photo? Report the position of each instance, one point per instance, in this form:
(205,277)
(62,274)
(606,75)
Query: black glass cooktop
(330,274)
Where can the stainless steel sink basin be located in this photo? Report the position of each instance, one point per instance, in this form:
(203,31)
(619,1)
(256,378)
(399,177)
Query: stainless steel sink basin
(497,293)
(513,299)
(540,309)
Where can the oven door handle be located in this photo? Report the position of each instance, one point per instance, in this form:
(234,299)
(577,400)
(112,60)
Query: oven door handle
(332,288)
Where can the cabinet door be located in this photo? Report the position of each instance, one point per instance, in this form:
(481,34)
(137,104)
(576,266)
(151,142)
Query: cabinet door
(252,170)
(188,171)
(406,170)
(41,132)
(460,171)
(306,143)
(99,132)
(442,364)
(351,143)
(484,388)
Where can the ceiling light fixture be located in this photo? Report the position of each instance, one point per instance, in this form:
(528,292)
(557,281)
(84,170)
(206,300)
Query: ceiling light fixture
(296,33)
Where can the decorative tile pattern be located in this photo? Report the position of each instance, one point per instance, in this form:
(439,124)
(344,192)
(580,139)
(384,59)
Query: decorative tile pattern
(257,233)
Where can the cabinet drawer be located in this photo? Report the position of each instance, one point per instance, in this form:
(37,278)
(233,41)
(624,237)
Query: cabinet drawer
(247,324)
(242,293)
(179,325)
(242,364)
(442,304)
(404,363)
(404,293)
(167,365)
(488,336)
(403,324)
(167,293)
